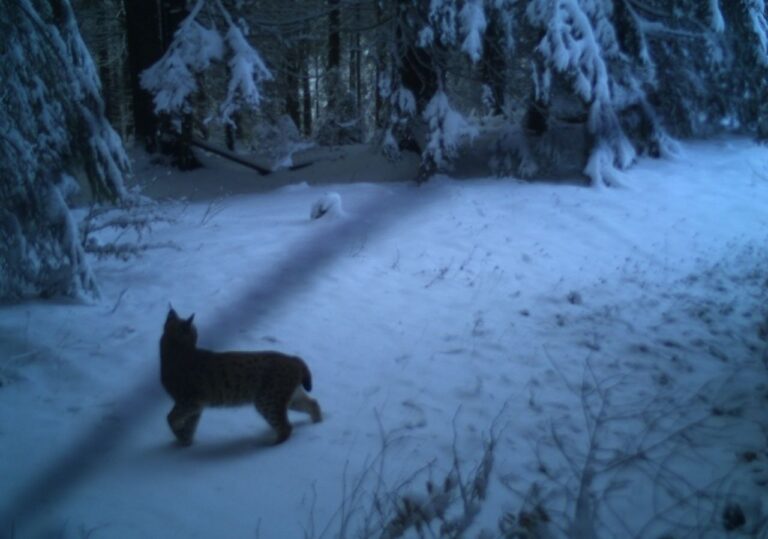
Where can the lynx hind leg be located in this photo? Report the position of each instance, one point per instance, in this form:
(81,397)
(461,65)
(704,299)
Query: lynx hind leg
(276,414)
(183,420)
(301,402)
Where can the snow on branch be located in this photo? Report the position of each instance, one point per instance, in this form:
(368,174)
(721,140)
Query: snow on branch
(447,28)
(442,18)
(195,47)
(247,71)
(473,26)
(402,109)
(716,21)
(570,46)
(53,128)
(172,79)
(120,231)
(759,26)
(447,129)
(577,44)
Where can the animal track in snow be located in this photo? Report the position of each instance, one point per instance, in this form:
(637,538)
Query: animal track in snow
(416,410)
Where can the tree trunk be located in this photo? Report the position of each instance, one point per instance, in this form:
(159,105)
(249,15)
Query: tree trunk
(172,12)
(145,47)
(334,54)
(317,86)
(292,84)
(305,88)
(417,69)
(150,25)
(377,96)
(418,74)
(378,104)
(358,64)
(494,63)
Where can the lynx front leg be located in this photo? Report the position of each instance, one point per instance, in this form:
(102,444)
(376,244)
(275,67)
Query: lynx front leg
(183,419)
(301,402)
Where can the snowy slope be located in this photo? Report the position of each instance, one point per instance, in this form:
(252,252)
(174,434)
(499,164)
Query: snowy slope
(608,341)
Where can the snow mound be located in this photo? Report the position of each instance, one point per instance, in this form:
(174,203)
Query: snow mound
(329,204)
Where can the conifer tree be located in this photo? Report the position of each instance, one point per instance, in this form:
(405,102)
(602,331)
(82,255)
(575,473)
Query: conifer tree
(53,130)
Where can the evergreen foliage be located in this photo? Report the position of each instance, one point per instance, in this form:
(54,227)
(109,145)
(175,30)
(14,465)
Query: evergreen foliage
(582,84)
(52,130)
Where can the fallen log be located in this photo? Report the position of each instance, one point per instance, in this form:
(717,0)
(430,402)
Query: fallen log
(226,154)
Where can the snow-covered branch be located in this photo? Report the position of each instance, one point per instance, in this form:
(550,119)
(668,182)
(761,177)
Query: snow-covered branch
(173,79)
(577,44)
(447,128)
(54,130)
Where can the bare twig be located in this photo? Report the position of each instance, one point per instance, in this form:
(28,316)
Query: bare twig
(214,208)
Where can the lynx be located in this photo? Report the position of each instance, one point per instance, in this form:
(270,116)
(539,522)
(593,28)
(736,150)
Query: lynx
(197,378)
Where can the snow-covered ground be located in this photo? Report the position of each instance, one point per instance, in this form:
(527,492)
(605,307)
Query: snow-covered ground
(610,344)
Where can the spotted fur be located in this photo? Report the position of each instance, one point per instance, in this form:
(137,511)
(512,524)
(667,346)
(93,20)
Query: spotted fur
(196,378)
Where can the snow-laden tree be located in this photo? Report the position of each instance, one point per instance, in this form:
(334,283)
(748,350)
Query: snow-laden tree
(686,45)
(752,19)
(709,59)
(599,81)
(176,79)
(422,117)
(745,32)
(579,47)
(446,130)
(402,109)
(340,121)
(591,77)
(52,130)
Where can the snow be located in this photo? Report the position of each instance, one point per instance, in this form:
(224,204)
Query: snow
(473,26)
(53,124)
(442,18)
(717,23)
(447,129)
(248,73)
(327,205)
(172,78)
(578,42)
(195,47)
(570,44)
(759,23)
(613,331)
(404,102)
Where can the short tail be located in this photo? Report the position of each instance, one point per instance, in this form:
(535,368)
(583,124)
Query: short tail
(306,379)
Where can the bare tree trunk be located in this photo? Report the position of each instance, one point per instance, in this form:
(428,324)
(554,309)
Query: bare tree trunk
(493,68)
(358,63)
(305,87)
(317,86)
(172,12)
(379,122)
(417,69)
(144,37)
(292,83)
(150,25)
(334,53)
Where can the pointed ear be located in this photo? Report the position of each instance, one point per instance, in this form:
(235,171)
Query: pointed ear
(190,319)
(172,316)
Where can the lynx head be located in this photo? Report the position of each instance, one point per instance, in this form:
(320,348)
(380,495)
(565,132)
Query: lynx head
(179,331)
